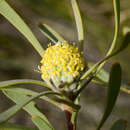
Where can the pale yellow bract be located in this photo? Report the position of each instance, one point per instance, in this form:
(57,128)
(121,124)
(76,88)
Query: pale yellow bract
(61,62)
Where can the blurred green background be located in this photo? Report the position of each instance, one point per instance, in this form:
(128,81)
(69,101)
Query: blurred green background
(18,58)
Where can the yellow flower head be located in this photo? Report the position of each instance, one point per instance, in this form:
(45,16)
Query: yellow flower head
(61,63)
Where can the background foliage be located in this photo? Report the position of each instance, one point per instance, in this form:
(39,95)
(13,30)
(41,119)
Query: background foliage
(98,16)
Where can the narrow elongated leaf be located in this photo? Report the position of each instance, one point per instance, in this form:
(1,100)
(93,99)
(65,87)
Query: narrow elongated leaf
(101,75)
(14,93)
(113,91)
(10,83)
(75,114)
(74,118)
(10,14)
(119,125)
(30,108)
(123,46)
(78,21)
(21,91)
(39,122)
(13,110)
(102,78)
(100,64)
(11,126)
(51,33)
(116,4)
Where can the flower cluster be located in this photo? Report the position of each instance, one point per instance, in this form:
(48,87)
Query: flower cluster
(61,63)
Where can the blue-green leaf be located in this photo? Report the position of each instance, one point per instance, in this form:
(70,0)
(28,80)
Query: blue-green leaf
(119,125)
(113,91)
(10,14)
(51,33)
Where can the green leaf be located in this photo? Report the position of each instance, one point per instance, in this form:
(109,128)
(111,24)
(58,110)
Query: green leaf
(119,125)
(11,126)
(14,93)
(110,53)
(116,4)
(10,14)
(78,21)
(74,117)
(30,108)
(102,78)
(124,44)
(10,83)
(27,92)
(113,91)
(51,33)
(22,103)
(102,75)
(39,122)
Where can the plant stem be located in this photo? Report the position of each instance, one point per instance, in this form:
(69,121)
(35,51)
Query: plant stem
(70,125)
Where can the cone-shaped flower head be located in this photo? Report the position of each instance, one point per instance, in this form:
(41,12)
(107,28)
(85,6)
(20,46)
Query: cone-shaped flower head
(61,63)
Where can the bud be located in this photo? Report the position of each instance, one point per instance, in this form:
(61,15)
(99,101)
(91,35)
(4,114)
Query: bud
(61,63)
